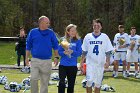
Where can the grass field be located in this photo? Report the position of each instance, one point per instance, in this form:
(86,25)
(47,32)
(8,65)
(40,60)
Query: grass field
(7,53)
(121,85)
(8,56)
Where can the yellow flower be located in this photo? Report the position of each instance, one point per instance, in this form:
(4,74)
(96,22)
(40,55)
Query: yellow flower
(132,44)
(65,44)
(121,41)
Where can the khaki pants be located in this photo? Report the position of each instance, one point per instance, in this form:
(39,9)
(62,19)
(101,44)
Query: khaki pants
(40,70)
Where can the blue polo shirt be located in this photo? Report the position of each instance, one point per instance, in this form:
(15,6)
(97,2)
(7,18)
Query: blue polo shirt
(41,42)
(75,45)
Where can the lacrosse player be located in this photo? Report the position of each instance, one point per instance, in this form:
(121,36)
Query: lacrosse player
(132,52)
(96,47)
(121,41)
(138,76)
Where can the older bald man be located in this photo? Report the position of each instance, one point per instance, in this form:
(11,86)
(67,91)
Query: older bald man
(40,42)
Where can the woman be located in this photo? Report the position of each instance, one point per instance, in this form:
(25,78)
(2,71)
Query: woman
(21,46)
(68,61)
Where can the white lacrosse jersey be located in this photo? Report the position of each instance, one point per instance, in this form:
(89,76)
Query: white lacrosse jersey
(136,39)
(132,56)
(96,47)
(117,44)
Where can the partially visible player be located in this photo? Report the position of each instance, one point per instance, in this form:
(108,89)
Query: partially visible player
(121,42)
(132,52)
(138,76)
(96,47)
(139,52)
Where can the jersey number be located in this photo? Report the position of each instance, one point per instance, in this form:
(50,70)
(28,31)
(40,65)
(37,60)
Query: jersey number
(96,49)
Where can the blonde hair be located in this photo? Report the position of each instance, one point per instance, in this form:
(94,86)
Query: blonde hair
(67,30)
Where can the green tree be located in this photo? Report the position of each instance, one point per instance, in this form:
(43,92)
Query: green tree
(10,17)
(16,13)
(133,18)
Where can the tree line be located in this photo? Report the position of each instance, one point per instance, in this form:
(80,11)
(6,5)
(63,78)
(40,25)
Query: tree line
(17,13)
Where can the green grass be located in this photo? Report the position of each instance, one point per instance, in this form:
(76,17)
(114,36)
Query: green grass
(7,53)
(121,85)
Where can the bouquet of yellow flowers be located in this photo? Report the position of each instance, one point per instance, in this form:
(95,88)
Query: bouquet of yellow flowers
(65,44)
(132,44)
(139,46)
(121,41)
(139,41)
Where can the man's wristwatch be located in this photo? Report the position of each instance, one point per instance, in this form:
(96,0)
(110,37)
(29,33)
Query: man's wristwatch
(56,57)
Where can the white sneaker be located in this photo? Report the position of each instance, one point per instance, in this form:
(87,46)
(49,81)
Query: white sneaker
(125,75)
(115,75)
(138,76)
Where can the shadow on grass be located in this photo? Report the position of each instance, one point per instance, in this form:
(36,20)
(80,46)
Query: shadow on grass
(133,79)
(13,72)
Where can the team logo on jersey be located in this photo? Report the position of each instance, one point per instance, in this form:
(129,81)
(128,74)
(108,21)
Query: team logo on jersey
(72,44)
(95,42)
(133,39)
